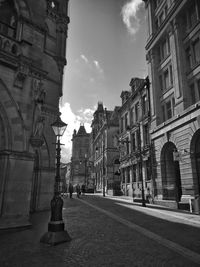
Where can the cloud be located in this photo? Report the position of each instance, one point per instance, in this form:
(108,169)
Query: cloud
(96,63)
(84,58)
(74,121)
(92,68)
(130,15)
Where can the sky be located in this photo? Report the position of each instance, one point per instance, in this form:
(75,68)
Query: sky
(105,49)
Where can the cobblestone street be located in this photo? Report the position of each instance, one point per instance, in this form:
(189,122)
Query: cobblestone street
(100,238)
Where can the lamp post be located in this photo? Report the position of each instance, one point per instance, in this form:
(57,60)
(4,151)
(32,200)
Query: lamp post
(56,233)
(141,164)
(103,170)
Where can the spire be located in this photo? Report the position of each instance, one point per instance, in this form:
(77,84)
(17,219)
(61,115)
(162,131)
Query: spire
(82,130)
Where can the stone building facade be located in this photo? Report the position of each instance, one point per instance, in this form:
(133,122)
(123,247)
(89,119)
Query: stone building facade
(32,57)
(80,154)
(105,152)
(134,141)
(173,56)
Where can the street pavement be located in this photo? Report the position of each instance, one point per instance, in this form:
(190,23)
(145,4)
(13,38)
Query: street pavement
(110,232)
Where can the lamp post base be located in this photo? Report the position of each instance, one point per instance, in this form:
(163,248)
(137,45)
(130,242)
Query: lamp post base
(56,228)
(56,234)
(55,238)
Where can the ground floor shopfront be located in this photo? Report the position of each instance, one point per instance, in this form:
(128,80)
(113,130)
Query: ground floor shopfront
(136,176)
(107,176)
(176,168)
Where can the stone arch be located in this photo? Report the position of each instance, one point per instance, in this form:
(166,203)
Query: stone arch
(195,160)
(14,118)
(170,173)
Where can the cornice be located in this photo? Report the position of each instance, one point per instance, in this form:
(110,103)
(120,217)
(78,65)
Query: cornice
(173,12)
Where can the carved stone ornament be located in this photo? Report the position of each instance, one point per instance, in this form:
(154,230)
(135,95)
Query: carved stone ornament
(36,142)
(21,75)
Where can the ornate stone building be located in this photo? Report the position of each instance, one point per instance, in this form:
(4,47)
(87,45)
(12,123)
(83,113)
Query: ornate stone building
(173,55)
(80,154)
(104,149)
(32,57)
(134,141)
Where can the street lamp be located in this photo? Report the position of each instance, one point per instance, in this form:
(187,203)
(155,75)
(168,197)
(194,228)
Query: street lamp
(56,233)
(141,164)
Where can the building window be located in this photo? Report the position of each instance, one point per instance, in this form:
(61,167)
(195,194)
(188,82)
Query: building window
(164,48)
(122,125)
(198,87)
(148,170)
(144,105)
(146,134)
(163,113)
(126,120)
(192,92)
(134,173)
(161,17)
(161,82)
(132,115)
(138,141)
(156,24)
(196,50)
(166,79)
(169,109)
(133,141)
(137,109)
(166,10)
(192,15)
(171,75)
(188,58)
(128,175)
(127,146)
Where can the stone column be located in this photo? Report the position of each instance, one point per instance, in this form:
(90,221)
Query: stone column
(175,58)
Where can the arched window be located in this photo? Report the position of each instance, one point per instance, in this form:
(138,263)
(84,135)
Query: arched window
(8,18)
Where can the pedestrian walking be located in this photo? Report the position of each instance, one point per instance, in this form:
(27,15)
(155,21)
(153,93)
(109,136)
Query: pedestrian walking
(71,190)
(83,189)
(78,190)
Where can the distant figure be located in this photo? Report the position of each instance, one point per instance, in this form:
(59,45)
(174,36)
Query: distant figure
(83,189)
(71,190)
(78,190)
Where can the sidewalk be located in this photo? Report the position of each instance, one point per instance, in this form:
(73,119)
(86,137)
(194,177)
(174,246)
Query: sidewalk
(160,211)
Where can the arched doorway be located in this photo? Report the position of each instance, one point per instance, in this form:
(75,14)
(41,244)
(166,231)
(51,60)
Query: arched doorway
(170,173)
(195,159)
